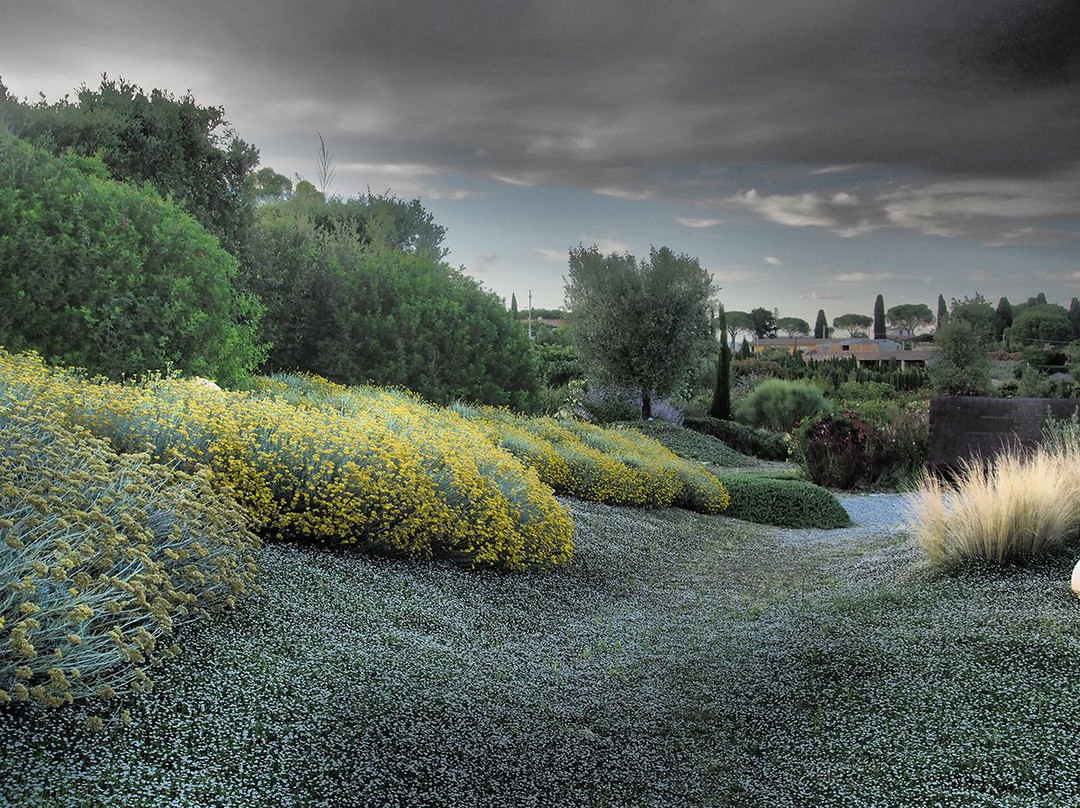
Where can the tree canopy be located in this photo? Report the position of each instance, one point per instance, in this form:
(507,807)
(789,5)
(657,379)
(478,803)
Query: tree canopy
(185,151)
(738,322)
(879,318)
(909,316)
(112,278)
(979,314)
(793,327)
(853,323)
(961,366)
(1041,324)
(639,324)
(339,308)
(764,323)
(821,325)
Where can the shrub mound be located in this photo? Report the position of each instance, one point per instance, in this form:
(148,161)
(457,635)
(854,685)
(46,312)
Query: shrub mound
(745,439)
(609,466)
(384,474)
(780,405)
(782,501)
(848,450)
(103,557)
(691,445)
(111,277)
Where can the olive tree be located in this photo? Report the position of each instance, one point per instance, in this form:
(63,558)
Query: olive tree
(639,324)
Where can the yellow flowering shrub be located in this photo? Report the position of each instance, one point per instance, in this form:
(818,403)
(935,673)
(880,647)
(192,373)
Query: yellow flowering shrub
(102,556)
(612,466)
(315,461)
(494,510)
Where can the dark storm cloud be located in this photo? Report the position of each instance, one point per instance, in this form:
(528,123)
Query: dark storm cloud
(613,95)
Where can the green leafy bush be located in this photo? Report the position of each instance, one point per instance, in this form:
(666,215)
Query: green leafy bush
(111,277)
(744,439)
(782,501)
(780,405)
(338,308)
(103,557)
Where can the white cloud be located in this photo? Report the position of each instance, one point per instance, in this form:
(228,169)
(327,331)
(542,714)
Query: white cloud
(833,169)
(509,180)
(998,208)
(860,277)
(773,260)
(553,254)
(623,193)
(688,222)
(838,212)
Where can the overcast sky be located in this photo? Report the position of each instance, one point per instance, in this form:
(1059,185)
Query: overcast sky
(811,153)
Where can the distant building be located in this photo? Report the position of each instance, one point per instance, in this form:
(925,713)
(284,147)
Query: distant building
(864,350)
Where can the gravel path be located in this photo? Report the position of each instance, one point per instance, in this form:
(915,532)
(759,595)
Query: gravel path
(873,515)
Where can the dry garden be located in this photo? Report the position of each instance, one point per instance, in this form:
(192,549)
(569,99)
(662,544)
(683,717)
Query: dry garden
(417,553)
(312,595)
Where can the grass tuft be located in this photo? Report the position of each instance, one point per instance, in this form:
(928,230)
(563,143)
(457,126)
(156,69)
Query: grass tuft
(1011,509)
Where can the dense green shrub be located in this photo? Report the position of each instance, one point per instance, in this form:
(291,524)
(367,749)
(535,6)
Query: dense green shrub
(961,366)
(744,439)
(188,153)
(865,391)
(339,309)
(1033,383)
(785,502)
(103,557)
(780,405)
(692,445)
(111,277)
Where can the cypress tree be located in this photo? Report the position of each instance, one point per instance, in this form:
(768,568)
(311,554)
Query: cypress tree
(1004,317)
(721,403)
(821,327)
(942,311)
(513,306)
(879,318)
(1074,316)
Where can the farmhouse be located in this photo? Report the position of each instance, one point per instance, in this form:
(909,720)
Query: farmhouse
(866,351)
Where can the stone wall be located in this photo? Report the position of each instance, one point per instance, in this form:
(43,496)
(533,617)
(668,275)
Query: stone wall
(965,426)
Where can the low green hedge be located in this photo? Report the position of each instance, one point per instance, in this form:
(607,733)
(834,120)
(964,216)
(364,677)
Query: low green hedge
(747,440)
(692,445)
(782,501)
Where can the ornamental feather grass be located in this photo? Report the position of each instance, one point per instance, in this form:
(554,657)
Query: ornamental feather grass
(1012,508)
